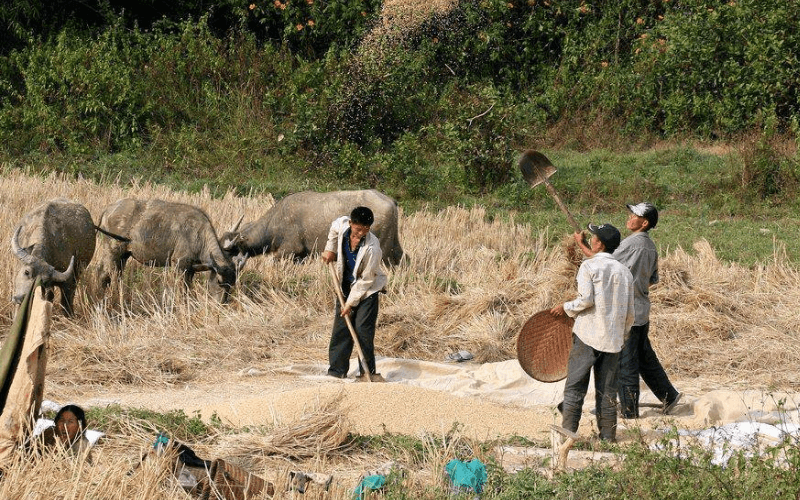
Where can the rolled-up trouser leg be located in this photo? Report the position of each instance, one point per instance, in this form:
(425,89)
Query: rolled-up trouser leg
(579,368)
(606,369)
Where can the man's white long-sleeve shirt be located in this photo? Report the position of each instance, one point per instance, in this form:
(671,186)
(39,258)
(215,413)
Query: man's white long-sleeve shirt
(604,309)
(368,277)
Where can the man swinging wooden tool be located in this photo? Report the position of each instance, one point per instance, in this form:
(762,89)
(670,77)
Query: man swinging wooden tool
(353,254)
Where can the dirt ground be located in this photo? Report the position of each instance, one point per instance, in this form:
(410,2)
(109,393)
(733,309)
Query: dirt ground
(418,398)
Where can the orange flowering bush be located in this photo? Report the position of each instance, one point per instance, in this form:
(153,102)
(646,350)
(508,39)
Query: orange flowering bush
(309,27)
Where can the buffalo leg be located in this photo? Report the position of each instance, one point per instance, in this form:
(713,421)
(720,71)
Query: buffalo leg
(67,296)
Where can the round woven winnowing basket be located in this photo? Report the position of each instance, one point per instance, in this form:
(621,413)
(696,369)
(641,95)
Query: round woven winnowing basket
(543,346)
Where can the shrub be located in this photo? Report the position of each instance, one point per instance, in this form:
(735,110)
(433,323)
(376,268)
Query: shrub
(769,172)
(78,93)
(310,27)
(508,42)
(382,96)
(418,165)
(710,70)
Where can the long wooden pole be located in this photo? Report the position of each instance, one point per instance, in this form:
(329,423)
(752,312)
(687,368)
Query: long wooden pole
(337,286)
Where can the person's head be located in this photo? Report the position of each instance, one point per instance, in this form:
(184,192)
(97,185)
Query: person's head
(361,219)
(605,237)
(70,421)
(642,217)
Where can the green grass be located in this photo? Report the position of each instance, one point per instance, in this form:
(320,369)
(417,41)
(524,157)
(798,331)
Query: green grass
(697,195)
(643,474)
(176,423)
(700,195)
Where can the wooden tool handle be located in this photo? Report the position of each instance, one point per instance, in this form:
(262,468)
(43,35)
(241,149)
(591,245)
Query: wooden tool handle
(561,205)
(340,295)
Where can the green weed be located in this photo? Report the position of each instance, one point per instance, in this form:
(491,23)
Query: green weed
(673,472)
(114,419)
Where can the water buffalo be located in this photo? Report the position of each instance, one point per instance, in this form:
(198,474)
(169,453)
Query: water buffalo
(163,233)
(58,234)
(298,225)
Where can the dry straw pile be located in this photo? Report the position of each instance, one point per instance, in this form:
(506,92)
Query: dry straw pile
(116,473)
(470,283)
(126,468)
(323,431)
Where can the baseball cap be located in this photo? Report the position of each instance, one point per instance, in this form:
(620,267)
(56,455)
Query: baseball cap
(608,234)
(646,210)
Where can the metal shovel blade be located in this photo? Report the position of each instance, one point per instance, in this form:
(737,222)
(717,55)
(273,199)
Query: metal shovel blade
(535,167)
(371,377)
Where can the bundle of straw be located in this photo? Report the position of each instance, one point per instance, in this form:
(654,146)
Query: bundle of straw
(324,431)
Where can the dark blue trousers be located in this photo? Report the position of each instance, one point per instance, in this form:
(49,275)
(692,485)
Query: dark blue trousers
(639,358)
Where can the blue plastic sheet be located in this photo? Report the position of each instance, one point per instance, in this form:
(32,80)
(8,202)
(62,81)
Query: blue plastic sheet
(470,475)
(369,483)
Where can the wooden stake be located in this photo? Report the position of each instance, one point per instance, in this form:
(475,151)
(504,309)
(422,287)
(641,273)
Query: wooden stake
(562,441)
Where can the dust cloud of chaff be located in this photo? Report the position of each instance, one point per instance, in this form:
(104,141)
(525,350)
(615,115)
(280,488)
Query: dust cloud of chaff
(470,283)
(399,18)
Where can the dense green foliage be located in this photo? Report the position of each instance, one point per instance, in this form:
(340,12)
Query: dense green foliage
(298,94)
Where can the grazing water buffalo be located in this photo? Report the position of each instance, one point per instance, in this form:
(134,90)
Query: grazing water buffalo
(58,234)
(163,233)
(298,225)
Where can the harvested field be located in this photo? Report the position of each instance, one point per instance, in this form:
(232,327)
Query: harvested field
(469,284)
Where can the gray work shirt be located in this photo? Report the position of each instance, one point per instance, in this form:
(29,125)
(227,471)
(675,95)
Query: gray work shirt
(638,253)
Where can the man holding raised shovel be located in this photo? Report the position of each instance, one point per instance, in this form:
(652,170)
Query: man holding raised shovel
(354,255)
(603,313)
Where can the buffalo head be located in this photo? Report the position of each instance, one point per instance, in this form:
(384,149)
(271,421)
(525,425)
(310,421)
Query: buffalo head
(233,244)
(232,239)
(33,267)
(221,280)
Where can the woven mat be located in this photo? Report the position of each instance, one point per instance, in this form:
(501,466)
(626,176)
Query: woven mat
(229,482)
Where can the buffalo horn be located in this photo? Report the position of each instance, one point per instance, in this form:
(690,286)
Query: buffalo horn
(20,252)
(230,244)
(60,277)
(239,261)
(233,237)
(236,226)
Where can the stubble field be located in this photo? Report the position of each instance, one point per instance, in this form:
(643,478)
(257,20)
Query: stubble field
(468,284)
